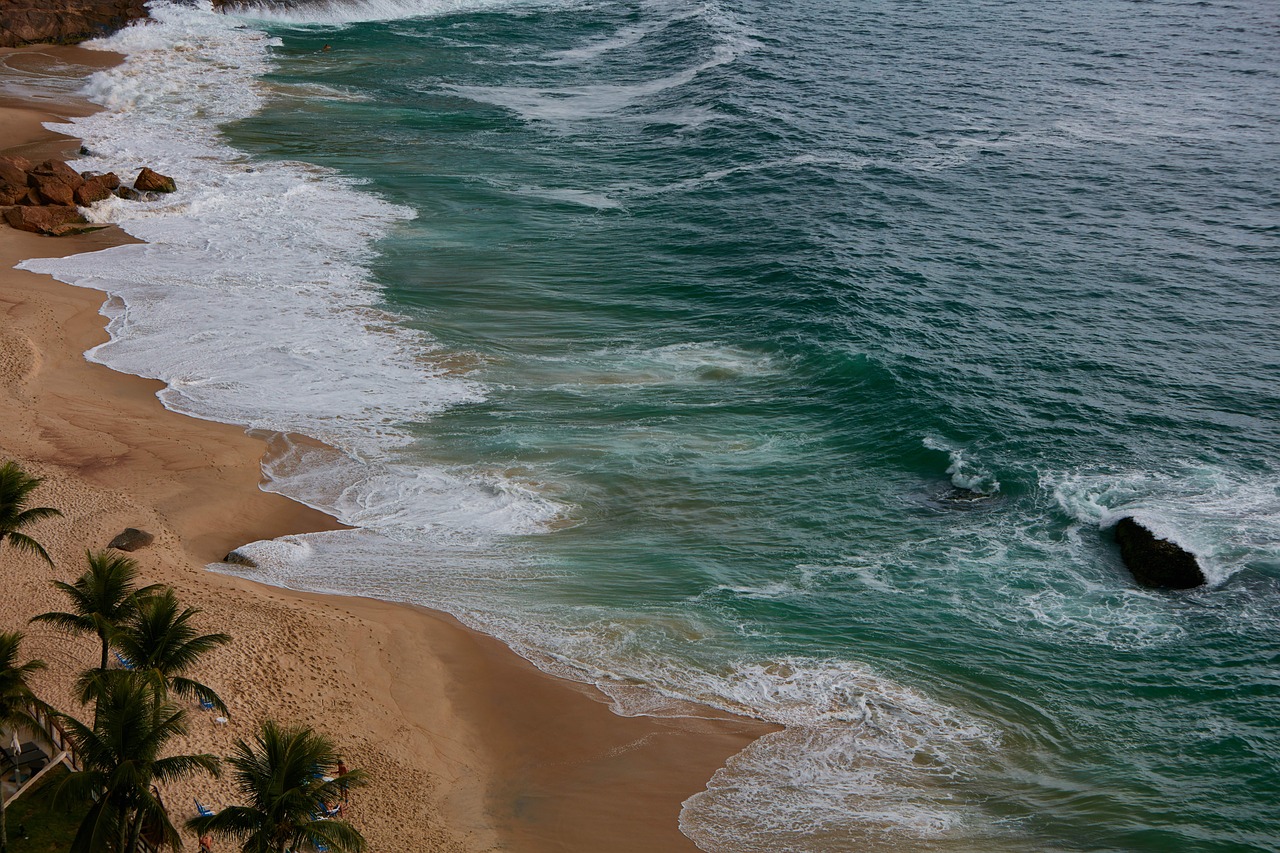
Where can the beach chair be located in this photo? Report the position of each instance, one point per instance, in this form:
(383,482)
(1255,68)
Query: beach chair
(125,662)
(206,705)
(326,813)
(203,810)
(321,847)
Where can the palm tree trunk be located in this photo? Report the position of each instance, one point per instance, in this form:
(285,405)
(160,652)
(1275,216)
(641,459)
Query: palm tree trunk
(135,832)
(105,647)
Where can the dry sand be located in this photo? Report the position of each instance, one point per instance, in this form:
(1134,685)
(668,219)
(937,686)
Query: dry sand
(468,746)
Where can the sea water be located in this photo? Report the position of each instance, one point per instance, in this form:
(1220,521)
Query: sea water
(790,359)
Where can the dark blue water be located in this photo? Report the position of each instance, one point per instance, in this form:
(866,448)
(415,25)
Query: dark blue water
(818,347)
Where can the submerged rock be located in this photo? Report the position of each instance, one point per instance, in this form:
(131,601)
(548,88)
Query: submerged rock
(1156,562)
(131,539)
(239,558)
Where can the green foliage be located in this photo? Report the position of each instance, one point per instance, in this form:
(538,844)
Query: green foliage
(280,776)
(48,828)
(16,700)
(15,490)
(122,760)
(16,695)
(163,645)
(102,599)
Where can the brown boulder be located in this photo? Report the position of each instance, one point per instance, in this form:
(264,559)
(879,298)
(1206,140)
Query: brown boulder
(22,164)
(64,21)
(60,170)
(131,539)
(54,220)
(13,181)
(149,181)
(52,189)
(95,189)
(109,179)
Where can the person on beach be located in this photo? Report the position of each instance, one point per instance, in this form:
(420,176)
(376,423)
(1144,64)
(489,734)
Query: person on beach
(206,843)
(342,784)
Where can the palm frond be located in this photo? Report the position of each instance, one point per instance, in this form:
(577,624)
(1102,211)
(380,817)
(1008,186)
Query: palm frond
(23,542)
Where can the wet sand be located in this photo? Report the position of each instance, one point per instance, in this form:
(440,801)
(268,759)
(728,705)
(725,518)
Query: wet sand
(468,746)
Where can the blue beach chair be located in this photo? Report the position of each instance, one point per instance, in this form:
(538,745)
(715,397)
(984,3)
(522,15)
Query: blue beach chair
(125,662)
(204,810)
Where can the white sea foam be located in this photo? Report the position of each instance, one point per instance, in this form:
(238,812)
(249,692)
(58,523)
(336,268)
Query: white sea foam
(331,12)
(964,472)
(727,39)
(860,754)
(689,363)
(251,298)
(1228,520)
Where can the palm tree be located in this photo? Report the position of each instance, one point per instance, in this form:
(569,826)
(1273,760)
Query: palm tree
(161,643)
(16,700)
(102,599)
(122,763)
(281,775)
(15,487)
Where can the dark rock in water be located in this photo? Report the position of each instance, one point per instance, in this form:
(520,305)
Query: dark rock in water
(149,181)
(53,220)
(128,193)
(951,498)
(1156,562)
(238,558)
(131,539)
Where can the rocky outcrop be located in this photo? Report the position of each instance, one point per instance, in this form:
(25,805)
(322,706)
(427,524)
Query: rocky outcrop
(1156,562)
(13,179)
(45,196)
(54,220)
(154,182)
(64,21)
(131,539)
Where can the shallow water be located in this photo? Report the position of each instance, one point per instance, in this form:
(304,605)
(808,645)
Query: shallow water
(793,361)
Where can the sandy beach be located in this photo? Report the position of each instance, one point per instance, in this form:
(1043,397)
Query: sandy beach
(468,746)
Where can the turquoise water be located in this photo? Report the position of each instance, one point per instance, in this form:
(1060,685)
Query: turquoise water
(813,349)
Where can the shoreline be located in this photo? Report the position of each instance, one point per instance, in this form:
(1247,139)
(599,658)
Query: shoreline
(468,745)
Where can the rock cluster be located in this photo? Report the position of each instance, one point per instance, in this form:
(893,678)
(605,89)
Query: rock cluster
(43,197)
(64,21)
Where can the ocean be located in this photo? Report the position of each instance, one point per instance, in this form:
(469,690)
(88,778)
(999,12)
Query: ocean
(789,359)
